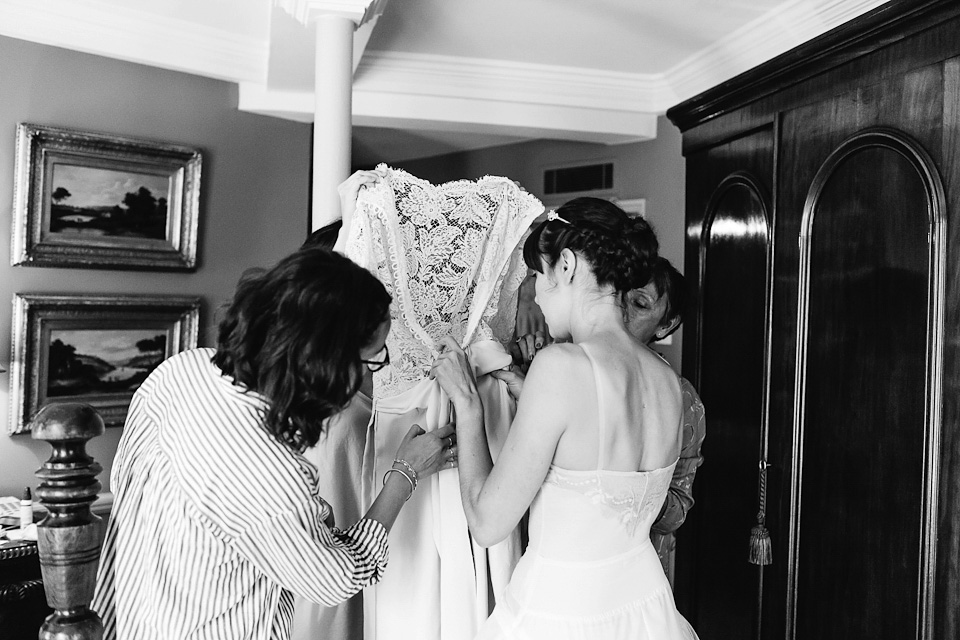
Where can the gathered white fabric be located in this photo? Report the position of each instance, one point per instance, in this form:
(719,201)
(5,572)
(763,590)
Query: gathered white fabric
(449,256)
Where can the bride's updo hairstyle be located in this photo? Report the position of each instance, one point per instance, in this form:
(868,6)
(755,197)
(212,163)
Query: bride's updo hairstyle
(619,249)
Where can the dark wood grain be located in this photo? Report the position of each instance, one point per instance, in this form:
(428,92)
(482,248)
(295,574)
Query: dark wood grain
(860,429)
(947,620)
(863,426)
(889,23)
(69,536)
(732,236)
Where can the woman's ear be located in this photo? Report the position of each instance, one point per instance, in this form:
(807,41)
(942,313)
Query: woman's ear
(567,265)
(666,329)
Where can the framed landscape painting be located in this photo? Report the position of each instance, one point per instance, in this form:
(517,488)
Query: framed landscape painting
(93,200)
(92,349)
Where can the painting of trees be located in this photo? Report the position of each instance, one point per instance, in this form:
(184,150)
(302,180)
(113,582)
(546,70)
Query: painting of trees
(103,202)
(102,363)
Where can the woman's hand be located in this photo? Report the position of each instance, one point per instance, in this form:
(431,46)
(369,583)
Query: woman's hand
(425,453)
(428,453)
(514,379)
(531,332)
(349,189)
(454,373)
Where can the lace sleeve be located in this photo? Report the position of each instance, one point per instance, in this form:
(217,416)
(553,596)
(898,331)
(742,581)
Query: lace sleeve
(448,255)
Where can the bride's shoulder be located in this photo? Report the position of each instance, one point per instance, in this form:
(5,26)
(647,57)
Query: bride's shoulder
(559,353)
(560,363)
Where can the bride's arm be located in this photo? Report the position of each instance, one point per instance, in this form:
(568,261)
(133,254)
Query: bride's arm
(495,497)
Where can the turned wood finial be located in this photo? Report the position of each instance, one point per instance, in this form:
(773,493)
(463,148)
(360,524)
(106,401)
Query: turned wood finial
(68,537)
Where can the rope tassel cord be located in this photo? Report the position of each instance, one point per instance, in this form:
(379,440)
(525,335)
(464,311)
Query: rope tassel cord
(761,547)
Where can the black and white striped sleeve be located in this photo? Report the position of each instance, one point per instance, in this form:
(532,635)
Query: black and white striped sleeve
(326,566)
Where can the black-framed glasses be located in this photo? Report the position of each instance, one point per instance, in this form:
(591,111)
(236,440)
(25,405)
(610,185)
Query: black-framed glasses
(376,365)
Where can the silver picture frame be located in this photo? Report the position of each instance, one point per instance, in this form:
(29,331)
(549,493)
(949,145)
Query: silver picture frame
(99,201)
(95,349)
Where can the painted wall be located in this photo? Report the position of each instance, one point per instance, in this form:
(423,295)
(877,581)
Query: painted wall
(653,170)
(254,193)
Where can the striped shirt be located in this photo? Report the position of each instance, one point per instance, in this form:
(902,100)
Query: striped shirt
(216,524)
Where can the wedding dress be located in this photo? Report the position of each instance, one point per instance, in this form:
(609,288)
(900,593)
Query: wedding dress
(590,571)
(448,255)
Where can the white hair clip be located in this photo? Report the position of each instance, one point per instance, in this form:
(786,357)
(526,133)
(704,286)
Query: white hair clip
(552,215)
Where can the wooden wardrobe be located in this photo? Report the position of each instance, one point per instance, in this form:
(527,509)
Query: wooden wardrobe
(823,248)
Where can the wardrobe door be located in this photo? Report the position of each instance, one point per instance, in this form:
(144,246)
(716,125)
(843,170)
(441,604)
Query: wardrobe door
(716,587)
(865,409)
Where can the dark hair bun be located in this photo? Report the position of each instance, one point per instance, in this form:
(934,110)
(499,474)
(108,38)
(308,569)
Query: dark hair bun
(621,250)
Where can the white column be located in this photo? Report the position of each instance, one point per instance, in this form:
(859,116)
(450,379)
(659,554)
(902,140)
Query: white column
(333,91)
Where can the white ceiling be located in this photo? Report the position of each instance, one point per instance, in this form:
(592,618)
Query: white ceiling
(435,76)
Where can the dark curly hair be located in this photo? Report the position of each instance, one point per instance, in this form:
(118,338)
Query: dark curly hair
(670,283)
(293,334)
(620,249)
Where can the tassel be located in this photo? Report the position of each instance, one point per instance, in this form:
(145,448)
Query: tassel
(761,550)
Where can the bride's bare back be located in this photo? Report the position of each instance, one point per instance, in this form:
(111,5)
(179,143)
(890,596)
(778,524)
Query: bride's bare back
(641,406)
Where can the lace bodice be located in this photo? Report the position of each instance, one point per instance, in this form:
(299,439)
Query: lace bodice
(448,256)
(633,498)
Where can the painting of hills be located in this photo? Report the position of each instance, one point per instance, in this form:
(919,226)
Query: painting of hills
(94,361)
(90,201)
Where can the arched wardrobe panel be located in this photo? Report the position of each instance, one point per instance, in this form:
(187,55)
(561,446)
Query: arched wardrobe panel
(867,391)
(734,253)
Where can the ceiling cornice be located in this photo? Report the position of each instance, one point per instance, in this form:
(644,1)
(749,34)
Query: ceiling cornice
(555,122)
(420,85)
(433,92)
(426,91)
(774,33)
(507,81)
(307,11)
(467,114)
(109,29)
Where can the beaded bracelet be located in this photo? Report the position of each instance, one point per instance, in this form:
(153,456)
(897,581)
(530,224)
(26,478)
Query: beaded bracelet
(409,467)
(413,486)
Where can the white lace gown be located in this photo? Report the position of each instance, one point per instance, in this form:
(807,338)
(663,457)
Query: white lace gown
(590,571)
(448,254)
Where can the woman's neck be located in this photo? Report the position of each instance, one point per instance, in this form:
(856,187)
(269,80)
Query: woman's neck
(593,314)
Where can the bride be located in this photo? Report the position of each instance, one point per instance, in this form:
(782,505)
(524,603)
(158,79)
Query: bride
(592,447)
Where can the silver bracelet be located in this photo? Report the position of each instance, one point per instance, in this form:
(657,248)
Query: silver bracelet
(409,467)
(413,486)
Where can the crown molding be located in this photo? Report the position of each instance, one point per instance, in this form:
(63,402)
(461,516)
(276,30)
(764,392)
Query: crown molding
(514,98)
(763,39)
(432,92)
(427,91)
(308,11)
(508,81)
(552,121)
(467,115)
(112,30)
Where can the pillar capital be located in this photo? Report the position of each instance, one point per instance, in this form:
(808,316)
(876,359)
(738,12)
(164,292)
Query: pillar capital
(309,11)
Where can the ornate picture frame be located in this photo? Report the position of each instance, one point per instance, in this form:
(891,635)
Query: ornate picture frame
(92,349)
(98,201)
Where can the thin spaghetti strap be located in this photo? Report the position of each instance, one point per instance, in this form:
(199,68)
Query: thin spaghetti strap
(602,423)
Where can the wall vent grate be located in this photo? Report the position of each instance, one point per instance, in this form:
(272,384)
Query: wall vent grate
(591,177)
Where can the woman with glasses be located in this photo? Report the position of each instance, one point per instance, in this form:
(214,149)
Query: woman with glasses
(217,520)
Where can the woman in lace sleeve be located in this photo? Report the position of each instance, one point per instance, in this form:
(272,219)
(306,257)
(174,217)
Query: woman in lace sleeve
(592,448)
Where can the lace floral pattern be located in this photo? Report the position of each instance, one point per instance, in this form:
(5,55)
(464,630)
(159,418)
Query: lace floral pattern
(631,497)
(448,256)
